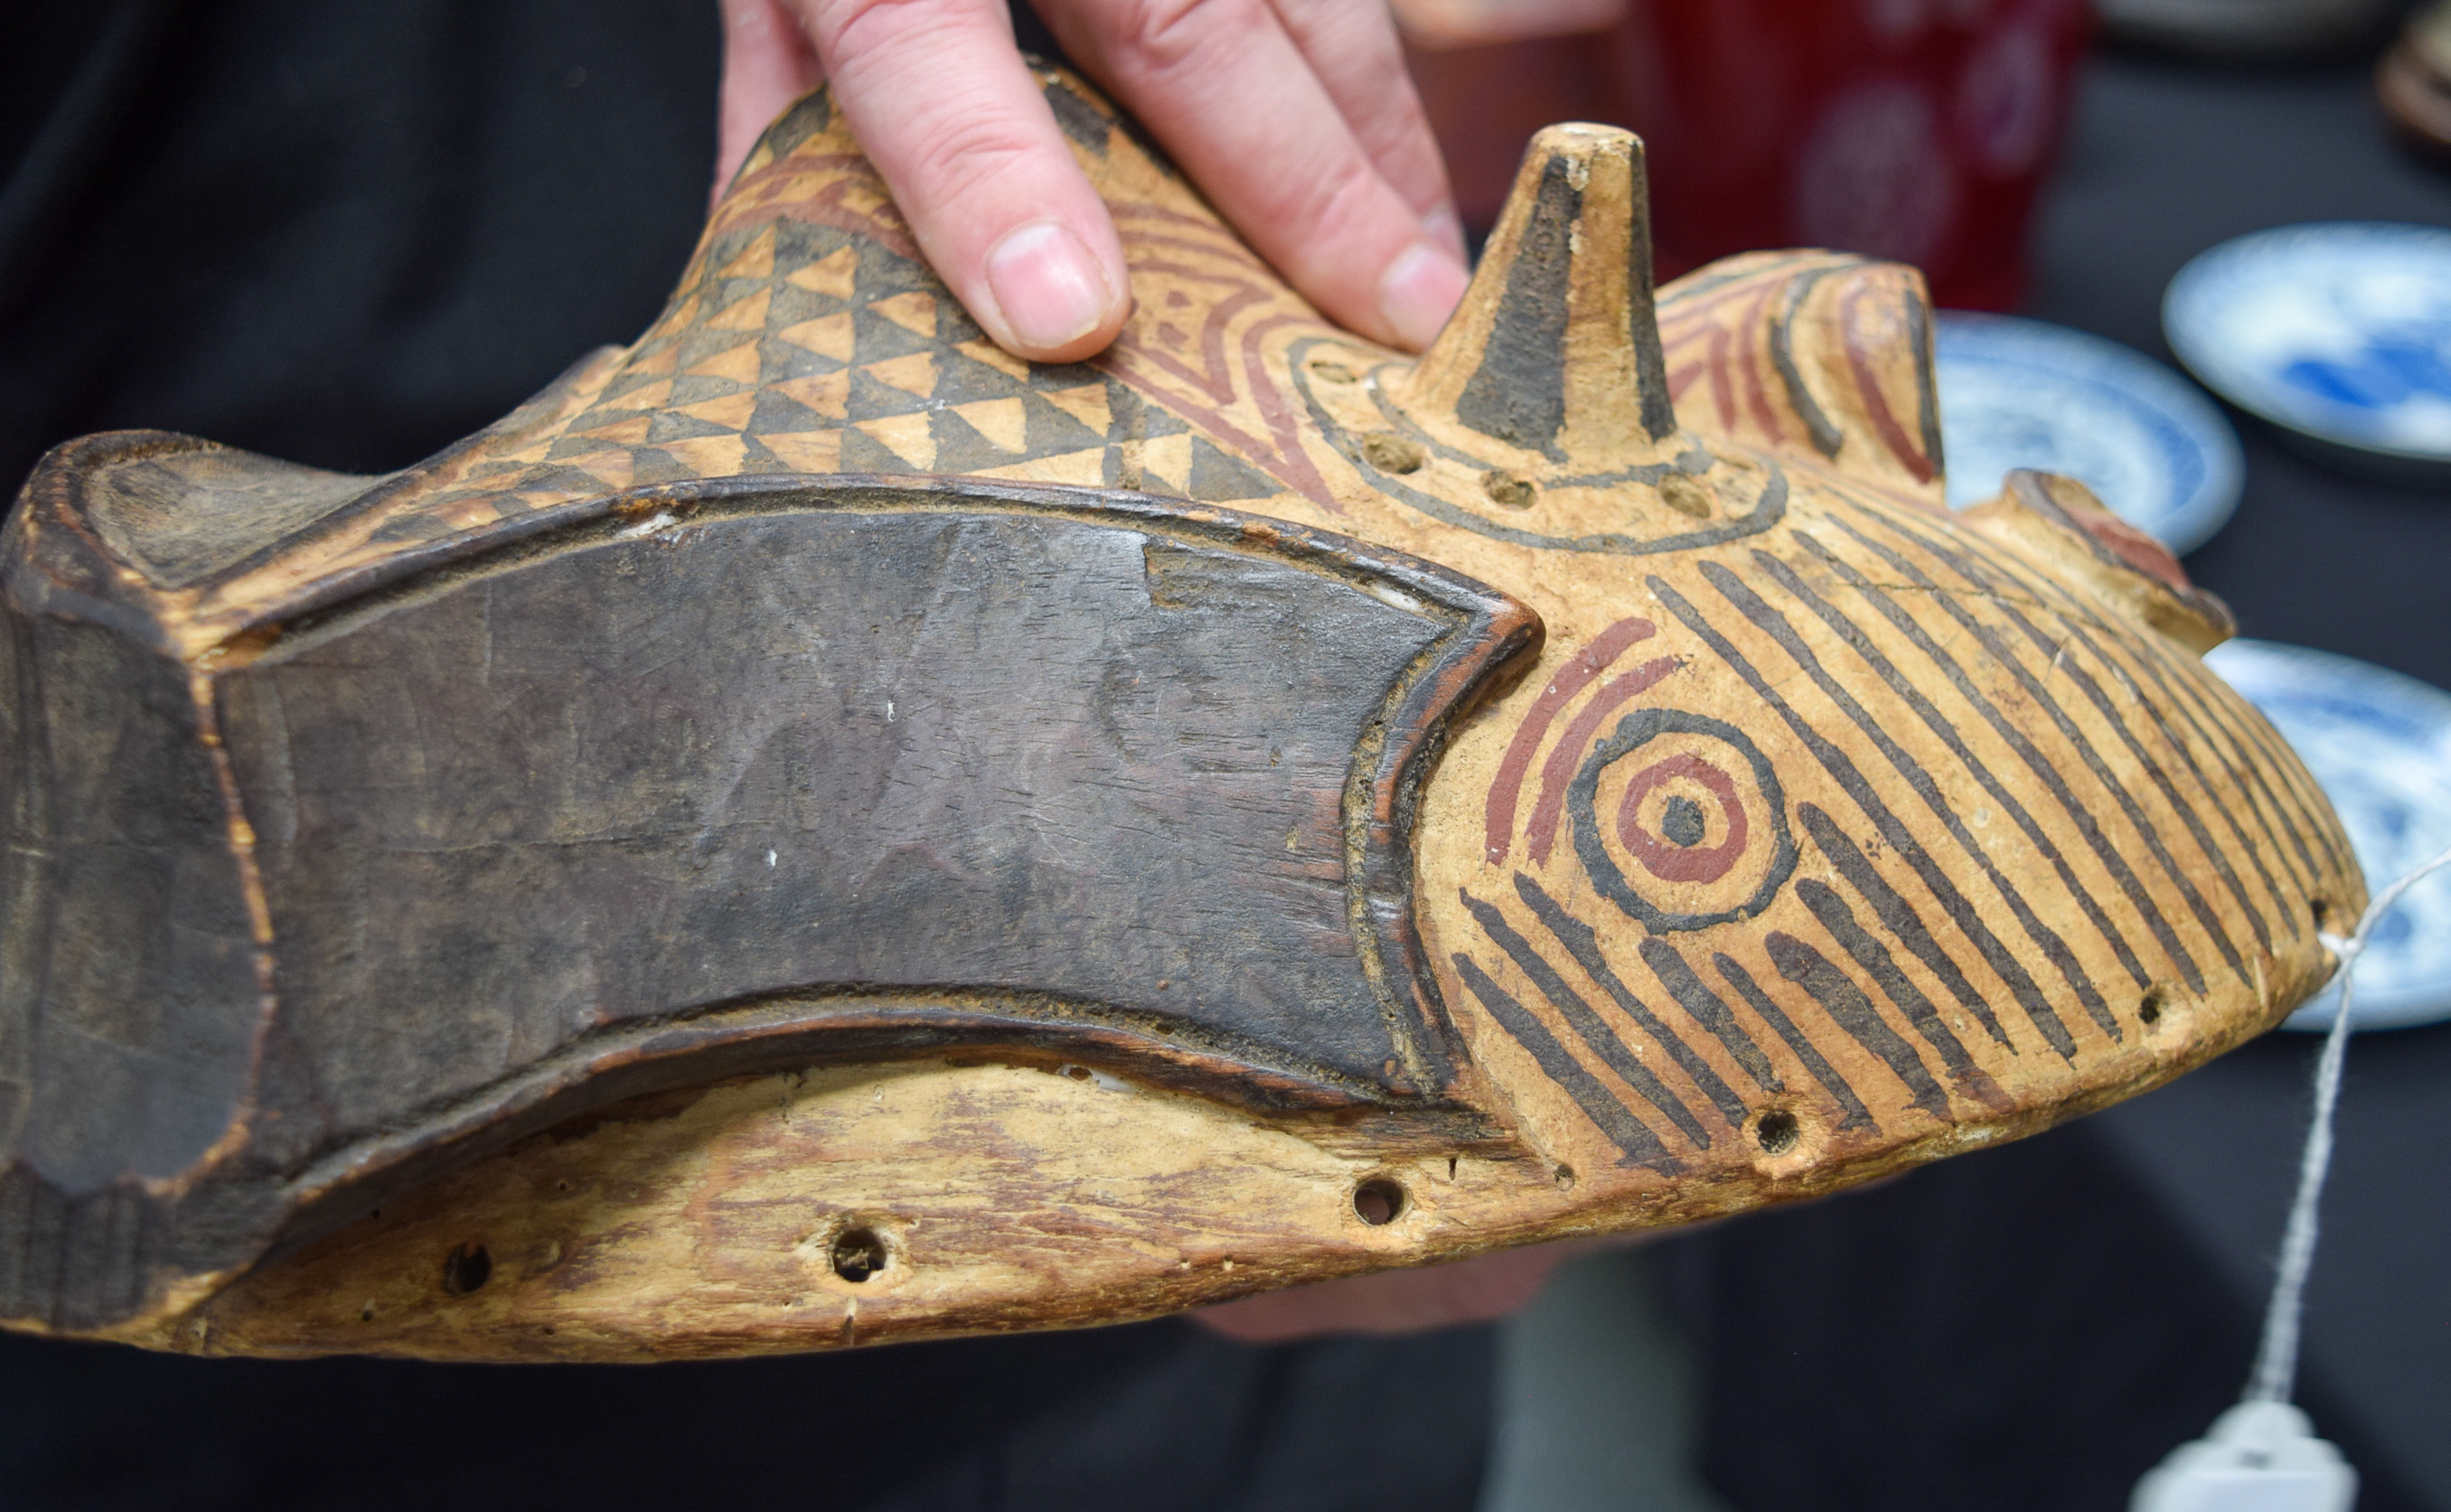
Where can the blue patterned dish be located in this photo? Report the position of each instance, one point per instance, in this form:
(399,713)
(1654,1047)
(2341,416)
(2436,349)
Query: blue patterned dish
(2380,744)
(2019,393)
(2339,331)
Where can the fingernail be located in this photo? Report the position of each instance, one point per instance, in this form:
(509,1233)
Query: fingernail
(1051,290)
(1418,292)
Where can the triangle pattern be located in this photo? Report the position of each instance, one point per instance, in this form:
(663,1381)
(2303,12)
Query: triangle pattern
(826,336)
(646,396)
(824,393)
(1003,421)
(963,380)
(1052,430)
(1218,478)
(1086,404)
(742,315)
(672,425)
(836,273)
(708,456)
(650,465)
(739,365)
(659,357)
(1167,459)
(731,412)
(914,312)
(756,260)
(908,437)
(807,452)
(628,431)
(880,338)
(689,390)
(1085,468)
(995,357)
(756,457)
(915,375)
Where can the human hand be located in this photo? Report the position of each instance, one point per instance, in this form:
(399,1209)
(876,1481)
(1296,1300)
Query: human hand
(1295,117)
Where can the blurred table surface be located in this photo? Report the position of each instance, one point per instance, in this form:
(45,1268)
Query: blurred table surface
(2091,1299)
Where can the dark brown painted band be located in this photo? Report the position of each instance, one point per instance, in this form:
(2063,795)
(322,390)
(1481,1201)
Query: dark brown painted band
(1629,1133)
(1582,943)
(1853,1011)
(1857,1115)
(1594,1029)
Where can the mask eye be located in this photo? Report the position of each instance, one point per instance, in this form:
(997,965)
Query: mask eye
(1679,820)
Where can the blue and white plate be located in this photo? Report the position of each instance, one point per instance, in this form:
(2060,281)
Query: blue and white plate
(2340,331)
(2379,745)
(2018,393)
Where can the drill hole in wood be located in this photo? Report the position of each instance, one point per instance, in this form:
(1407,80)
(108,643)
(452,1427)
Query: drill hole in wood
(1378,1201)
(466,1268)
(1508,489)
(859,1253)
(1394,453)
(1778,1131)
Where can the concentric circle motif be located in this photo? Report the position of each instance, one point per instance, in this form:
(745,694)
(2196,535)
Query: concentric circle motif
(1680,821)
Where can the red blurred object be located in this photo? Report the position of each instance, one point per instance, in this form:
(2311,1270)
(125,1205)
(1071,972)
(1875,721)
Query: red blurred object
(1918,130)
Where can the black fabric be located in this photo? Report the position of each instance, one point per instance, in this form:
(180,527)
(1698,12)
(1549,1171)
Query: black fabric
(2025,1330)
(1157,1418)
(348,233)
(342,234)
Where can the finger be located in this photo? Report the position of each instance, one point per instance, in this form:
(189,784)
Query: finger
(1222,85)
(1352,46)
(767,64)
(943,107)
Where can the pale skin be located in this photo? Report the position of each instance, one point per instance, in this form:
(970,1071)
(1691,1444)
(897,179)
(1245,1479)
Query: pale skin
(1298,122)
(1295,117)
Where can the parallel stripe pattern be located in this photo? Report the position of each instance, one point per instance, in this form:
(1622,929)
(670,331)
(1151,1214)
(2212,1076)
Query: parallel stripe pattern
(2022,823)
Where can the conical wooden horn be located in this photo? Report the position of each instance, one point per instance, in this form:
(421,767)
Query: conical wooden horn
(1554,355)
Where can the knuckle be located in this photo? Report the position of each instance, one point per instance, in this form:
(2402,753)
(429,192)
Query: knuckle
(852,27)
(1168,36)
(971,155)
(1320,208)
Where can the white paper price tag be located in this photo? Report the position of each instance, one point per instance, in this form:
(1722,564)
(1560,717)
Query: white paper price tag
(2260,1457)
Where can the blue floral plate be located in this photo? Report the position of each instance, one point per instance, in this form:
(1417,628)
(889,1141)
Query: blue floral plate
(2019,393)
(2379,745)
(2338,332)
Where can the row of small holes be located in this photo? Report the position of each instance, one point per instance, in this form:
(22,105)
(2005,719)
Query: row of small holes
(860,1254)
(1400,455)
(856,1256)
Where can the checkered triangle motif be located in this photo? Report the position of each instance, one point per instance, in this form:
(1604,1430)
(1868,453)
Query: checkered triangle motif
(809,337)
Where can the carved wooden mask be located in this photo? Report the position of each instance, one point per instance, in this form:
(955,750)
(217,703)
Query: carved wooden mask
(815,830)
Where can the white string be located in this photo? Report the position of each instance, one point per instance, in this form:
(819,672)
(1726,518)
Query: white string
(2276,1359)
